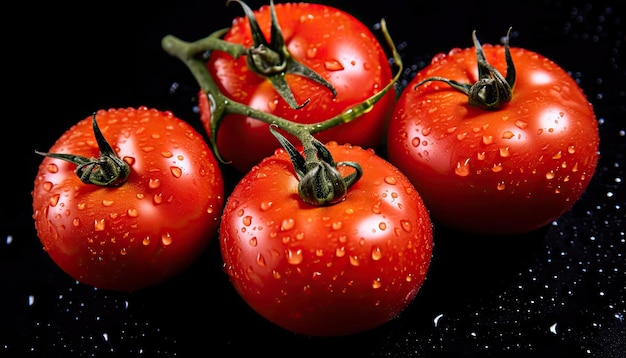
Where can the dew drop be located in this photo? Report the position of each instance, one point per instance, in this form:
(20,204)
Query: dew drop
(382,225)
(54,200)
(426,131)
(333,65)
(123,251)
(461,136)
(337,225)
(497,167)
(391,180)
(571,149)
(376,283)
(508,135)
(247,220)
(266,205)
(480,155)
(550,175)
(521,124)
(176,172)
(376,253)
(260,260)
(354,261)
(415,141)
(167,154)
(253,242)
(157,198)
(287,224)
(501,186)
(166,239)
(462,169)
(504,152)
(99,225)
(340,252)
(487,139)
(146,241)
(558,155)
(107,203)
(406,225)
(154,183)
(294,257)
(47,186)
(376,208)
(76,222)
(133,213)
(311,52)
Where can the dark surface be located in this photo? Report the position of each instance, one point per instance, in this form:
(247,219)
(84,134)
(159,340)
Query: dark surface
(557,292)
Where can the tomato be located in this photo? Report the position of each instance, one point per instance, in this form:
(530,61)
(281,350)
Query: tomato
(143,229)
(497,171)
(331,42)
(326,270)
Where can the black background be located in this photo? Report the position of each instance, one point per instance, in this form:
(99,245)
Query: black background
(557,292)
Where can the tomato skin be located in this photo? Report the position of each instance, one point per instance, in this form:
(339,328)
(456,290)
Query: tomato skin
(500,172)
(329,270)
(331,42)
(146,230)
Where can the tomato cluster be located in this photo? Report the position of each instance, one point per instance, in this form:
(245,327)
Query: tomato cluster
(321,235)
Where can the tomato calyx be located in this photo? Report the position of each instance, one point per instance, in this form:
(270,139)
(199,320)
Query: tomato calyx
(492,90)
(193,55)
(106,170)
(273,61)
(320,182)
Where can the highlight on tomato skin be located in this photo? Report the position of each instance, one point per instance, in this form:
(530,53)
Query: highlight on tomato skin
(498,172)
(329,270)
(145,230)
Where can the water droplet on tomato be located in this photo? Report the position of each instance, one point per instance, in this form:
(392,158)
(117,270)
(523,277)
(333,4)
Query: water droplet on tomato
(123,251)
(376,253)
(157,198)
(154,183)
(133,213)
(99,225)
(497,167)
(354,260)
(340,251)
(451,130)
(376,283)
(166,239)
(47,186)
(76,222)
(480,155)
(52,168)
(167,154)
(382,225)
(54,200)
(461,136)
(146,241)
(376,208)
(487,139)
(107,203)
(260,260)
(287,224)
(294,257)
(247,220)
(508,135)
(176,172)
(558,155)
(571,149)
(426,131)
(333,65)
(391,180)
(501,186)
(504,152)
(415,141)
(406,225)
(462,169)
(147,149)
(550,175)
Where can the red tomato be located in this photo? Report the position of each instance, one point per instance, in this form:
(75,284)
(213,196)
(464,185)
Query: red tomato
(502,171)
(145,230)
(329,41)
(326,270)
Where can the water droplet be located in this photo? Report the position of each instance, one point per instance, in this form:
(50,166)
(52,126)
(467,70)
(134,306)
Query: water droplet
(382,225)
(462,169)
(521,124)
(99,225)
(52,168)
(253,241)
(508,135)
(47,186)
(415,141)
(287,224)
(133,213)
(376,208)
(340,251)
(451,130)
(266,205)
(166,239)
(176,171)
(247,220)
(147,149)
(311,52)
(260,260)
(461,136)
(123,251)
(426,131)
(550,175)
(376,283)
(571,149)
(333,65)
(294,257)
(354,260)
(157,198)
(487,139)
(391,180)
(501,186)
(558,155)
(167,154)
(54,200)
(504,152)
(497,167)
(376,253)
(406,225)
(107,203)
(337,225)
(480,155)
(154,183)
